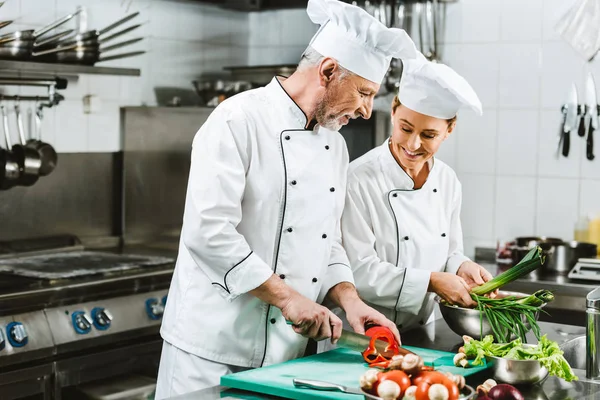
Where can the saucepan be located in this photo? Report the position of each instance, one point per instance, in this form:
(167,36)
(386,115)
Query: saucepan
(46,151)
(85,56)
(29,159)
(10,171)
(31,34)
(93,36)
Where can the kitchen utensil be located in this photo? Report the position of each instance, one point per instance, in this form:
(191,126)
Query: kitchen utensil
(469,321)
(84,55)
(580,27)
(31,34)
(467,393)
(570,120)
(561,258)
(121,44)
(587,269)
(16,50)
(11,169)
(47,153)
(95,34)
(51,40)
(260,75)
(339,365)
(517,372)
(592,111)
(357,342)
(320,385)
(5,23)
(29,159)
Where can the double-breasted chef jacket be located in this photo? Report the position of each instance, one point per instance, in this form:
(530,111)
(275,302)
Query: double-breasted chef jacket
(265,196)
(395,235)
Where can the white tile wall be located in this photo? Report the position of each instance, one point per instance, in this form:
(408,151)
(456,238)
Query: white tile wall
(183,41)
(517,142)
(557,207)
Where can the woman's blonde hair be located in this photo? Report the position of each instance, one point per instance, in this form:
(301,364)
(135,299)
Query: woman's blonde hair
(396,103)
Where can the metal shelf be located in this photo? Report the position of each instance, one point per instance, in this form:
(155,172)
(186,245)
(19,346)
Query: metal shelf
(27,66)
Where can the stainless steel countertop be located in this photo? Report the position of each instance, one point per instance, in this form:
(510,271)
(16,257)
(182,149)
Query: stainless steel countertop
(437,335)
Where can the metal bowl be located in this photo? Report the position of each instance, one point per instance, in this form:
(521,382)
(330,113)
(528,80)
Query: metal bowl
(468,321)
(467,393)
(517,372)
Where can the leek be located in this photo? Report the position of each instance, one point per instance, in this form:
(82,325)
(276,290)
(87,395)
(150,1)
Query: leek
(532,260)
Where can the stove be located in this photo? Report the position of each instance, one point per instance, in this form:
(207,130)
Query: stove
(71,315)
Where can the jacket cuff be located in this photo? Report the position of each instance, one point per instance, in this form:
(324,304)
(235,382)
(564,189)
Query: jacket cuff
(413,290)
(454,262)
(248,274)
(336,273)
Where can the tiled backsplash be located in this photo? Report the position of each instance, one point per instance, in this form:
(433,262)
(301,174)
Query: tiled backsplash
(183,41)
(513,185)
(512,182)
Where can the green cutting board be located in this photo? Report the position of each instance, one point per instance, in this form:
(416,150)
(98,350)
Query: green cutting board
(341,366)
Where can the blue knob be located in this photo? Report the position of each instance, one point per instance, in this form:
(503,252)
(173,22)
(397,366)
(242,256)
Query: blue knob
(16,334)
(102,318)
(154,309)
(81,322)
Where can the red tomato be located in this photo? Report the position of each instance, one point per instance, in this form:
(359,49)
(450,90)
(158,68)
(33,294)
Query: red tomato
(432,377)
(399,377)
(422,392)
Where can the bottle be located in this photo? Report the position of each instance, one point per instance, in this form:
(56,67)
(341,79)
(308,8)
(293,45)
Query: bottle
(594,231)
(582,229)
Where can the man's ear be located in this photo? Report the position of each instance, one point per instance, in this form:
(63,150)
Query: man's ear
(327,70)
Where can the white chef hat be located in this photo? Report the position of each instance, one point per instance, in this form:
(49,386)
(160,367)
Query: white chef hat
(358,41)
(435,89)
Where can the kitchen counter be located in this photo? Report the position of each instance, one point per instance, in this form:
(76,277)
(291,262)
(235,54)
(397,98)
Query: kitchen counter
(437,335)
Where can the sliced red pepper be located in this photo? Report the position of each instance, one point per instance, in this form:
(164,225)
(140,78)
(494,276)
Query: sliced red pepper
(371,355)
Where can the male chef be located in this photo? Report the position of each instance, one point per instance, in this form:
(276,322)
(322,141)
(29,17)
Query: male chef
(260,244)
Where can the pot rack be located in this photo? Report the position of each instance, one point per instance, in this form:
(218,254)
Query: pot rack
(52,85)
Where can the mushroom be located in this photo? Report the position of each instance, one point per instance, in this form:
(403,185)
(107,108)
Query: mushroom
(437,391)
(396,362)
(461,349)
(368,379)
(388,390)
(412,364)
(410,393)
(484,388)
(460,360)
(466,338)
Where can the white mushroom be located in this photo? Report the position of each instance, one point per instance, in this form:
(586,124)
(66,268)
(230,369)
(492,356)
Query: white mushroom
(412,364)
(368,379)
(485,387)
(458,357)
(396,362)
(388,390)
(410,393)
(437,391)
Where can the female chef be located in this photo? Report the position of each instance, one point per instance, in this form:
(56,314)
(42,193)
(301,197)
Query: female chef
(401,223)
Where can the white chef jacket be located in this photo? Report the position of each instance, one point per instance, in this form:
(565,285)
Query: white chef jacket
(265,195)
(395,236)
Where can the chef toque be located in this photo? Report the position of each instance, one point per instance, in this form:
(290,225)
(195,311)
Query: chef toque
(358,41)
(435,89)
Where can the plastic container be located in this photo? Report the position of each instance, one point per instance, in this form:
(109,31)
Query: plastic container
(594,231)
(582,229)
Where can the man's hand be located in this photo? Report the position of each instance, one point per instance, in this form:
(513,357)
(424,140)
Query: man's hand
(451,288)
(475,275)
(312,320)
(358,313)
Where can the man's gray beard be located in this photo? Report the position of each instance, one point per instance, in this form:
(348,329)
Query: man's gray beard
(323,119)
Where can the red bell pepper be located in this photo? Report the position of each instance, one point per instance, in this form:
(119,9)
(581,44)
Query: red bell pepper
(371,355)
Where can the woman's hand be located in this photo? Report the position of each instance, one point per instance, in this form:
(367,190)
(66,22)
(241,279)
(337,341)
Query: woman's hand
(451,288)
(475,275)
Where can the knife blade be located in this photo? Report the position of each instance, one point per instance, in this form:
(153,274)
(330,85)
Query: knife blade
(356,341)
(328,386)
(592,111)
(570,120)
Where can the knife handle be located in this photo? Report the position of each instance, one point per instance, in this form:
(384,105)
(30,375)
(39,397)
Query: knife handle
(318,385)
(590,143)
(566,144)
(581,130)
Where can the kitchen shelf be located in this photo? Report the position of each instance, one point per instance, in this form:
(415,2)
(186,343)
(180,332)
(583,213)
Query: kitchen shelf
(27,66)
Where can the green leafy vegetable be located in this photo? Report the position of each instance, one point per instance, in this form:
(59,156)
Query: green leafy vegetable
(547,352)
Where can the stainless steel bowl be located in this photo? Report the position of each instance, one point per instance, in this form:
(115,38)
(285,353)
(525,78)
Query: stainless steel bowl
(517,372)
(467,393)
(468,321)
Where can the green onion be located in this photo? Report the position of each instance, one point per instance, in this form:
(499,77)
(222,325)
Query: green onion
(532,260)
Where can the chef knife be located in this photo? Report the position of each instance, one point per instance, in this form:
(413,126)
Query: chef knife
(569,120)
(320,385)
(592,111)
(357,342)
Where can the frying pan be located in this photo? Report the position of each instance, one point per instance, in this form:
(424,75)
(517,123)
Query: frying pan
(87,55)
(16,50)
(95,34)
(11,172)
(96,43)
(51,40)
(28,158)
(31,34)
(47,153)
